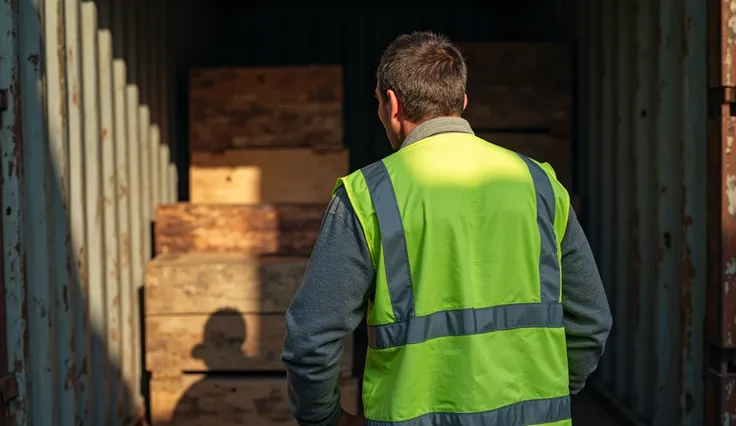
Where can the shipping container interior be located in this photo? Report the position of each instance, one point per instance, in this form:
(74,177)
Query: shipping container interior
(638,132)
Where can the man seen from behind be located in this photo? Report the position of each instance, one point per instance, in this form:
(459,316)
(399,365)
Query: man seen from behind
(483,301)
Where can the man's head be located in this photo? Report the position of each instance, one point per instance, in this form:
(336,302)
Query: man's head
(421,76)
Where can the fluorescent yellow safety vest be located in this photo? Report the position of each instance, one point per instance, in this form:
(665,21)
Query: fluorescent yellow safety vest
(466,324)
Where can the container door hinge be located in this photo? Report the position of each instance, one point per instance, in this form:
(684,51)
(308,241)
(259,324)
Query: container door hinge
(8,388)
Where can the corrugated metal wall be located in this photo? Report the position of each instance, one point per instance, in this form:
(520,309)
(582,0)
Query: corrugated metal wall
(84,161)
(641,158)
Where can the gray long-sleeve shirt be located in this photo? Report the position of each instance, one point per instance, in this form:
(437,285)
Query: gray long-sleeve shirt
(339,280)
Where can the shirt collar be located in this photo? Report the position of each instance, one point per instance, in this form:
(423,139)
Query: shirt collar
(437,126)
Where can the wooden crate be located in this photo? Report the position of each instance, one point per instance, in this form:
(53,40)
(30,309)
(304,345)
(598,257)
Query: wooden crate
(557,151)
(255,176)
(206,282)
(220,312)
(224,341)
(196,400)
(285,229)
(519,85)
(265,107)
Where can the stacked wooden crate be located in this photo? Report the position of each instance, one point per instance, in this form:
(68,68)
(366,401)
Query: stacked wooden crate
(266,150)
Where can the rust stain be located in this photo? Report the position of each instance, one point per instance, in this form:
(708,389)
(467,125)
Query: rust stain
(728,227)
(126,249)
(35,59)
(115,273)
(123,191)
(105,134)
(69,377)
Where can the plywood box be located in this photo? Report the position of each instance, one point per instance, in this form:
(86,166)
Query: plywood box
(205,282)
(284,229)
(195,400)
(519,85)
(226,340)
(557,151)
(265,107)
(256,176)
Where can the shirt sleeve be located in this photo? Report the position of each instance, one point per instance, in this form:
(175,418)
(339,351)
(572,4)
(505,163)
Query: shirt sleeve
(587,316)
(329,305)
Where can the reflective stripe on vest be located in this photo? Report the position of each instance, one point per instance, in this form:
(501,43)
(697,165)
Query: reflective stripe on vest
(410,329)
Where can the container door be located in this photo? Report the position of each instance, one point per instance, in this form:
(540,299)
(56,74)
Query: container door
(8,64)
(721,312)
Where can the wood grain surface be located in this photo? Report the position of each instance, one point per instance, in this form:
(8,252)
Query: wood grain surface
(200,283)
(284,229)
(254,176)
(224,341)
(265,107)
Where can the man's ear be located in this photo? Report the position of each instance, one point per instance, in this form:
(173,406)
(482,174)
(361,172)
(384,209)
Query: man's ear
(394,104)
(465,102)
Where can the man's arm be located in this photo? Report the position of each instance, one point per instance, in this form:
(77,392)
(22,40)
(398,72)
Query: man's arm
(587,315)
(329,305)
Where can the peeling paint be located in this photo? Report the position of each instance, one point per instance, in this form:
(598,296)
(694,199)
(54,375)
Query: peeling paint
(731,193)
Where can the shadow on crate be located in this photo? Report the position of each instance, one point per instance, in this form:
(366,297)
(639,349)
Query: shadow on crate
(232,378)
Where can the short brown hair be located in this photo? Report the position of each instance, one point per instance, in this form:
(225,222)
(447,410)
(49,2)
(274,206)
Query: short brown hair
(428,74)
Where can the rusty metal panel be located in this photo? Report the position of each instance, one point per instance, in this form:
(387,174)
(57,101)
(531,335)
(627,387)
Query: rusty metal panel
(123,229)
(109,144)
(11,149)
(70,286)
(136,221)
(722,43)
(645,232)
(127,299)
(722,208)
(692,357)
(35,192)
(641,123)
(95,217)
(58,193)
(77,215)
